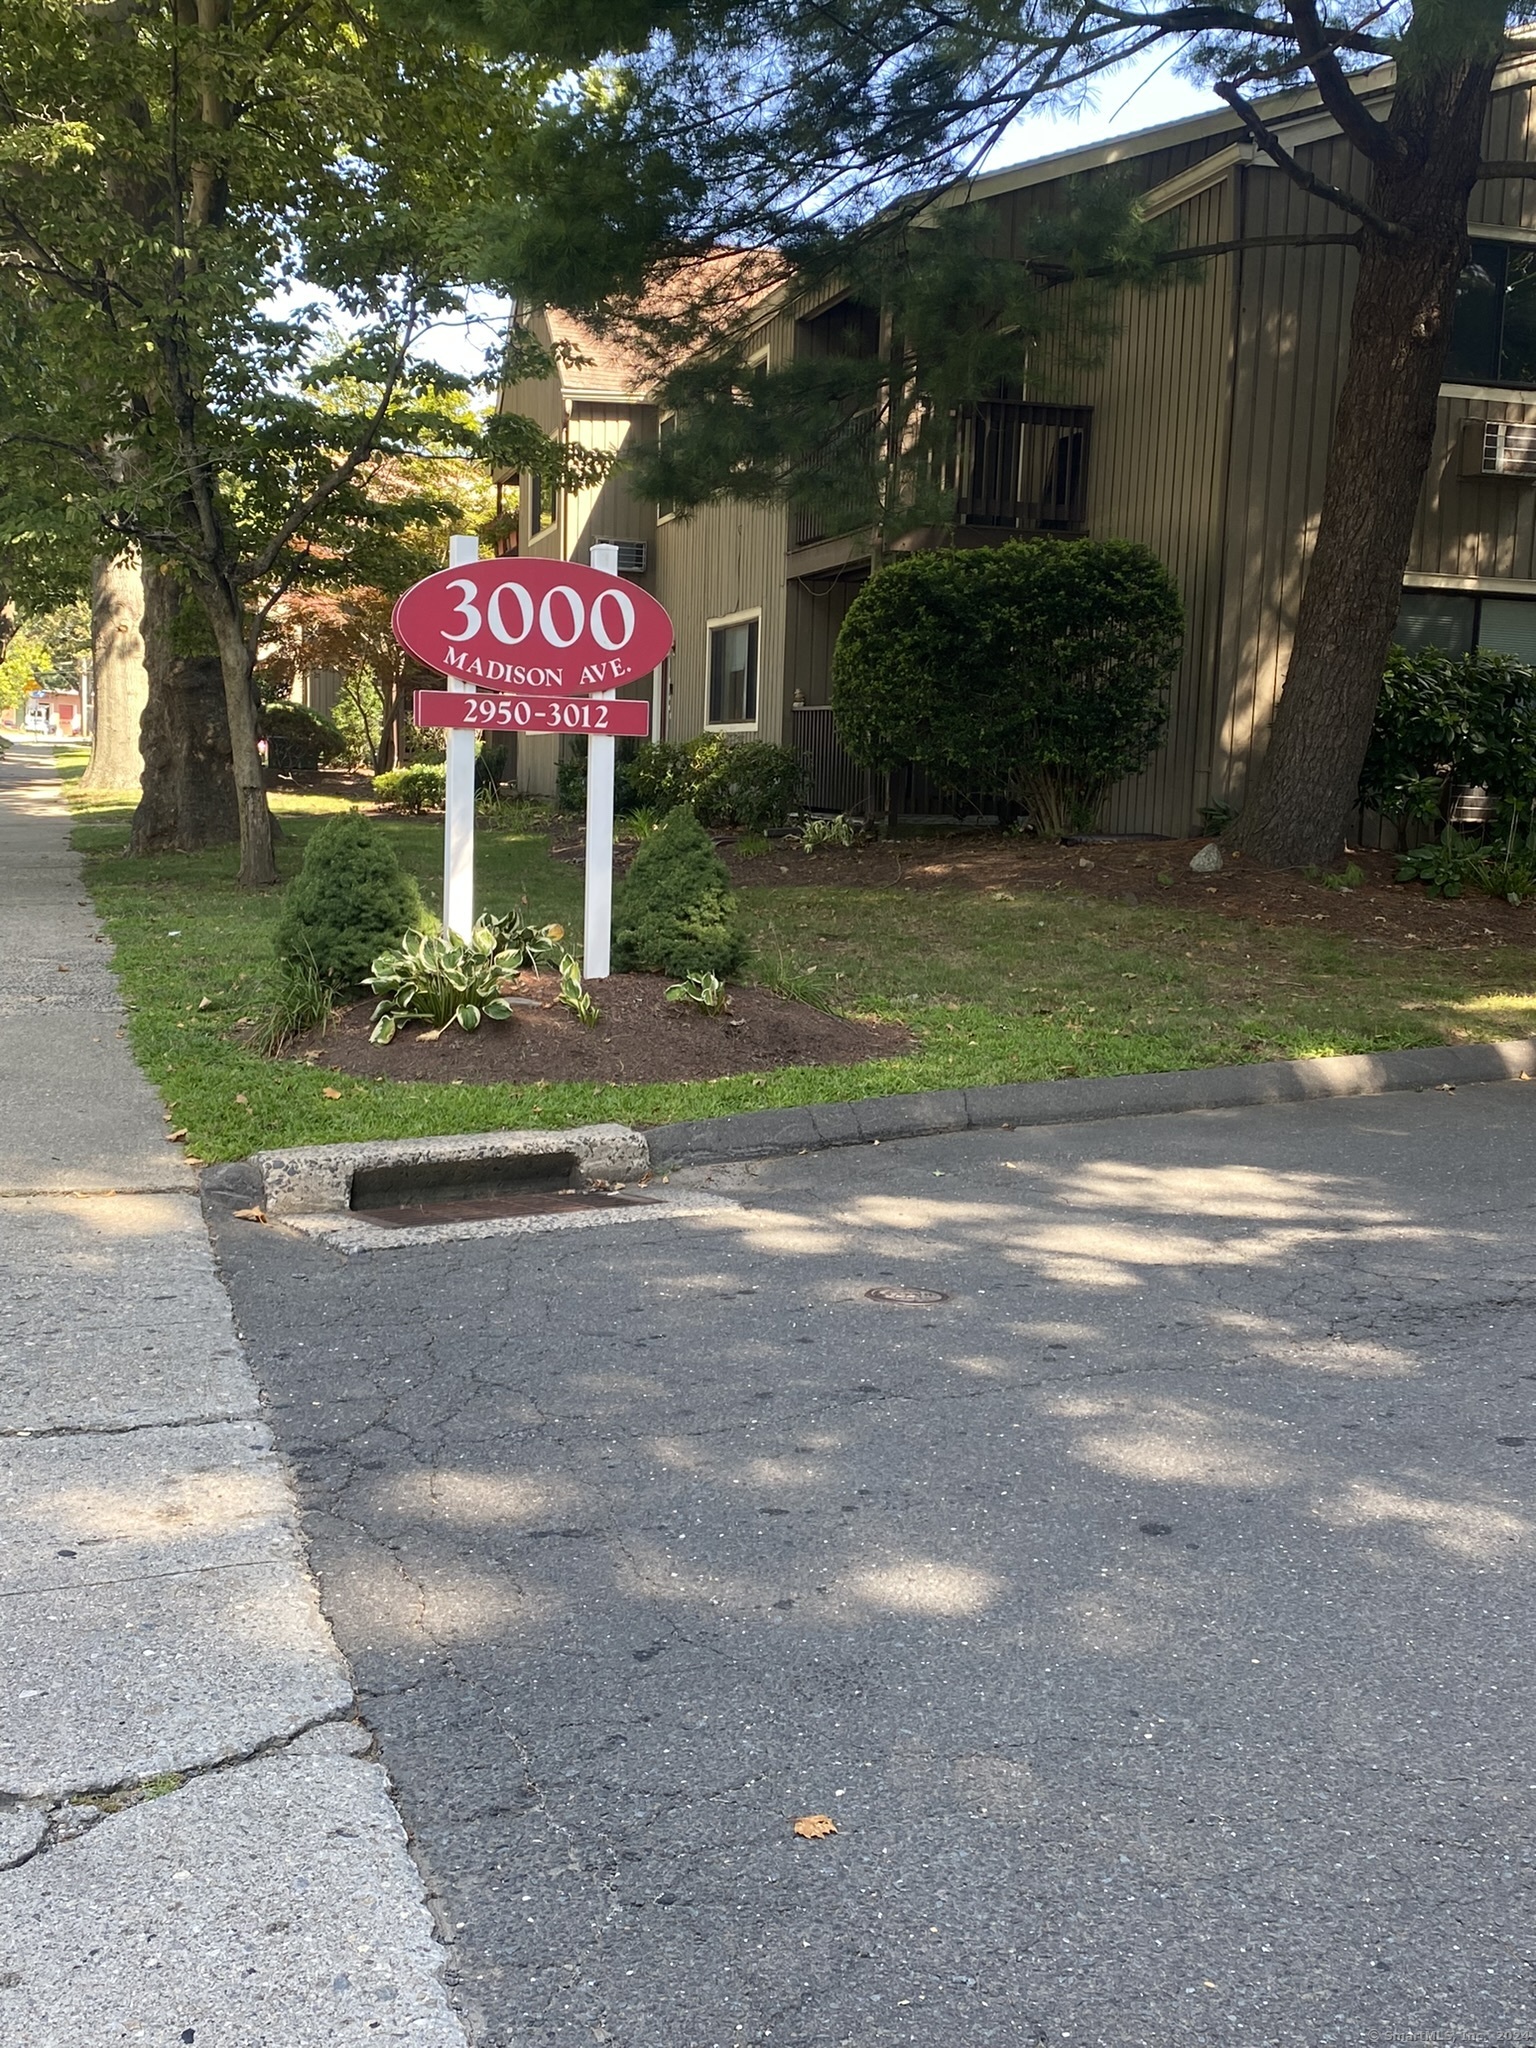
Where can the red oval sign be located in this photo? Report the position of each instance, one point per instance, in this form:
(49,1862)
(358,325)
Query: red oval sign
(522,623)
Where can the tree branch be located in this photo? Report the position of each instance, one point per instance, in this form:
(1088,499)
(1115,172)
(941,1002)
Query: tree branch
(1216,19)
(343,473)
(1274,149)
(1371,137)
(1513,168)
(1242,242)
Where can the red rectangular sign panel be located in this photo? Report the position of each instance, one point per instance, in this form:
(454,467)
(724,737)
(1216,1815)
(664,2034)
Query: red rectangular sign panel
(621,717)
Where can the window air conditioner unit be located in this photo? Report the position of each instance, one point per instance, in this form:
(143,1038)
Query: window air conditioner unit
(1500,448)
(631,556)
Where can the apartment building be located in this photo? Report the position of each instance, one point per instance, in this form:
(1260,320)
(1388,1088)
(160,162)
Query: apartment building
(1202,431)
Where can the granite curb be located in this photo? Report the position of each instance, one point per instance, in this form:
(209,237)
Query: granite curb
(769,1133)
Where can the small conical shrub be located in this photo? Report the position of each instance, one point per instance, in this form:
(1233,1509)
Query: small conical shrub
(348,902)
(674,913)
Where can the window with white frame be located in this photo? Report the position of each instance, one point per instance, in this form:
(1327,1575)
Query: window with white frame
(733,670)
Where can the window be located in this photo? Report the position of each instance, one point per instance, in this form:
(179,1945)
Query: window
(1457,621)
(1507,625)
(1494,338)
(666,430)
(540,501)
(1436,618)
(733,672)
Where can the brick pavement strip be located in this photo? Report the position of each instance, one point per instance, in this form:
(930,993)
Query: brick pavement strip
(196,1843)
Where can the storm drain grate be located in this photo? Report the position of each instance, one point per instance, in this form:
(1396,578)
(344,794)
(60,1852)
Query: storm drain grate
(492,1208)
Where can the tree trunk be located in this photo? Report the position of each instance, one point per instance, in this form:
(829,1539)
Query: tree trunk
(119,679)
(1383,438)
(258,864)
(189,788)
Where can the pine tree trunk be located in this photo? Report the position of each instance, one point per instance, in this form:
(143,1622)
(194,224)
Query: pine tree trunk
(1383,438)
(119,679)
(189,786)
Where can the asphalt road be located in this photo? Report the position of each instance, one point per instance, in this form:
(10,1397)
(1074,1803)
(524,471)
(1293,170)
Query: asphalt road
(1152,1615)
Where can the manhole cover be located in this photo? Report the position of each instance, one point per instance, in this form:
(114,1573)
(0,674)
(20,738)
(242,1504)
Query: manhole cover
(906,1297)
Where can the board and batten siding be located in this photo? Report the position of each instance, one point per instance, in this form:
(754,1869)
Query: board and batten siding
(611,510)
(1159,385)
(720,562)
(1156,473)
(817,606)
(1293,337)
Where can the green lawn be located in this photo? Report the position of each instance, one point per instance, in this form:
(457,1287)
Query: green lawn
(996,987)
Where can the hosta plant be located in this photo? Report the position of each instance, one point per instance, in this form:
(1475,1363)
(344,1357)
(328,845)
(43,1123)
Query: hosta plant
(437,981)
(1446,865)
(521,942)
(838,831)
(707,992)
(576,998)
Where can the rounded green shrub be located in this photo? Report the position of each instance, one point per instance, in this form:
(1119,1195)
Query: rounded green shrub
(348,902)
(416,788)
(1445,722)
(1039,670)
(750,783)
(299,740)
(674,912)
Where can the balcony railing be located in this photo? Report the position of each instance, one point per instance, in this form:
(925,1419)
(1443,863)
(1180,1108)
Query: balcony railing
(1022,466)
(1016,466)
(839,477)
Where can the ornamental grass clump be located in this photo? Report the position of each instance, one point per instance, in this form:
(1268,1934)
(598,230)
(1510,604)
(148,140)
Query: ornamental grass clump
(350,898)
(674,912)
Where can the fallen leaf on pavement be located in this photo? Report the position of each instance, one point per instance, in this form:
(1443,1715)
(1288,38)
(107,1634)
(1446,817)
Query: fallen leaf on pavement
(810,1827)
(331,1094)
(175,1137)
(251,1215)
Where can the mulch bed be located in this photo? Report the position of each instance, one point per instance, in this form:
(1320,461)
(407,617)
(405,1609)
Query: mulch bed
(641,1037)
(1381,910)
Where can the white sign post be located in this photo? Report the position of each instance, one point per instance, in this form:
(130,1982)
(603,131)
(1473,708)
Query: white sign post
(597,913)
(459,793)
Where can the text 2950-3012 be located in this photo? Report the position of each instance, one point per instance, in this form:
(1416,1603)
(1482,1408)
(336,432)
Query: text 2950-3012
(618,717)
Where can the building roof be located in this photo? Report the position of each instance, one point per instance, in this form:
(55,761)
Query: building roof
(605,368)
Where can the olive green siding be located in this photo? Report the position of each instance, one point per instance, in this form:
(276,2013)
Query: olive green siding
(817,606)
(1157,466)
(723,561)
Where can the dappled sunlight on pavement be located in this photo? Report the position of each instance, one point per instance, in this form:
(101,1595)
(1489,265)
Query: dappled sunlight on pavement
(1144,1590)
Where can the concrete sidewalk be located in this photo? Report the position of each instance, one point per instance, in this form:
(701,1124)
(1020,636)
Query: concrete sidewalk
(194,1843)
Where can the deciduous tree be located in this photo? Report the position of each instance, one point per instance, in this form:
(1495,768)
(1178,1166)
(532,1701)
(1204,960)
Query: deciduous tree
(226,233)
